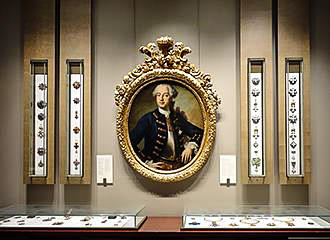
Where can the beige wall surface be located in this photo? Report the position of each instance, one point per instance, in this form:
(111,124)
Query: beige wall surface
(11,104)
(320,99)
(211,29)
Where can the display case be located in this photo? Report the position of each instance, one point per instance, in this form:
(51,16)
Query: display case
(69,217)
(259,217)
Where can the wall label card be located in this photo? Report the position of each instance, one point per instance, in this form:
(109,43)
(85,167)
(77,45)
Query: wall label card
(227,169)
(104,169)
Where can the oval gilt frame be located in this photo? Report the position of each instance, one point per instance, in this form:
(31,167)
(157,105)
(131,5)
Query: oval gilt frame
(167,63)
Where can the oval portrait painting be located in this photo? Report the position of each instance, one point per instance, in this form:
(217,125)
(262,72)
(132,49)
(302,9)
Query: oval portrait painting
(166,119)
(166,125)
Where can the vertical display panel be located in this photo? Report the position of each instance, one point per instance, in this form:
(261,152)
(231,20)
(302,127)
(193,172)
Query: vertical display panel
(39,119)
(294,118)
(75,92)
(75,70)
(256,118)
(293,101)
(256,92)
(38,25)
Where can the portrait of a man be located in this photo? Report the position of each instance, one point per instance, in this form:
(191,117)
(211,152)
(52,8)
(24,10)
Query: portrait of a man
(169,139)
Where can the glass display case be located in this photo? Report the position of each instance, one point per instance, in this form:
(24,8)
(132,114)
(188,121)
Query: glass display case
(259,217)
(69,217)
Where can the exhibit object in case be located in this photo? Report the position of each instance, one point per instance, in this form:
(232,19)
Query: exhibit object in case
(73,217)
(260,217)
(39,119)
(75,70)
(294,117)
(256,119)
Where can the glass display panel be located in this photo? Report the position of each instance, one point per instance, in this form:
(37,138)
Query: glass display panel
(76,117)
(259,217)
(39,119)
(256,118)
(294,118)
(71,216)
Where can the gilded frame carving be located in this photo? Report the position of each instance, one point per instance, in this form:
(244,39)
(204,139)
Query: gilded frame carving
(167,63)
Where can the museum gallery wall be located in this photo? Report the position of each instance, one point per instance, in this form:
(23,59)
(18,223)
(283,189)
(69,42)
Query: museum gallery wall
(212,30)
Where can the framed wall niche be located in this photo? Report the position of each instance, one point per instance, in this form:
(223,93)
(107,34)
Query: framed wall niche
(256,126)
(294,92)
(39,91)
(75,92)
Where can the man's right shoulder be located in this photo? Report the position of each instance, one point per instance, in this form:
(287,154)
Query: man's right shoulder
(150,115)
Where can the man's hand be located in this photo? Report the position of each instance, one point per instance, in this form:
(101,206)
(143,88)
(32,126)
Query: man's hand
(156,165)
(186,155)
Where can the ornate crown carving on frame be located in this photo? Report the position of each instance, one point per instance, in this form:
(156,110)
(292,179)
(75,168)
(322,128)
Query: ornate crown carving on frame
(165,61)
(167,56)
